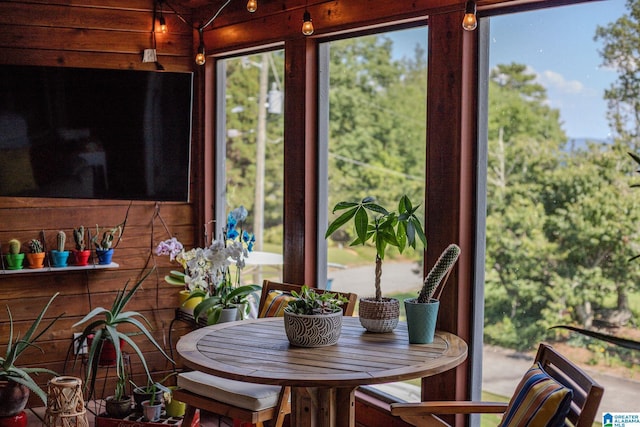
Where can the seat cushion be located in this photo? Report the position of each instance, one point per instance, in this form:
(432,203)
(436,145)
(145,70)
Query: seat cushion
(250,396)
(275,303)
(539,400)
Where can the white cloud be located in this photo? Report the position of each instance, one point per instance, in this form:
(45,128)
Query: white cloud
(557,80)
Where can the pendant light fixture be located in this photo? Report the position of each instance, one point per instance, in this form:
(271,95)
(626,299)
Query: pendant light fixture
(307,25)
(252,5)
(469,22)
(200,56)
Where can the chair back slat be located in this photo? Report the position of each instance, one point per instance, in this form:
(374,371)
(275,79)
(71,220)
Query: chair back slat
(586,392)
(269,286)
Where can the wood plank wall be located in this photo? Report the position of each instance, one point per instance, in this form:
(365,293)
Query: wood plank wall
(92,34)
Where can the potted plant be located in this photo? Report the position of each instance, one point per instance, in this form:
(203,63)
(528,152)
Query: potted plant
(422,312)
(59,256)
(35,257)
(14,258)
(153,389)
(104,244)
(102,325)
(118,405)
(81,253)
(16,382)
(223,305)
(312,319)
(152,407)
(374,223)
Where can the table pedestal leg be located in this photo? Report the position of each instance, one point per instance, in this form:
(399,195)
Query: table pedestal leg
(323,406)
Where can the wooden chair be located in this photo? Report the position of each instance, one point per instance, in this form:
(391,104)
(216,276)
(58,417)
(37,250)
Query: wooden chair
(275,400)
(582,412)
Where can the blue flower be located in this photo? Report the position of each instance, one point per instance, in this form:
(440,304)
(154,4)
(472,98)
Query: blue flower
(249,239)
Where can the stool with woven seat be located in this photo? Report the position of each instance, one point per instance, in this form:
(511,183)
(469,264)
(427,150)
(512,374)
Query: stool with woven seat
(246,403)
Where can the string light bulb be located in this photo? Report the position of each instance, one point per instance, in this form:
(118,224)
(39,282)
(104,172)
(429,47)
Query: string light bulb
(307,25)
(200,56)
(252,5)
(469,22)
(163,24)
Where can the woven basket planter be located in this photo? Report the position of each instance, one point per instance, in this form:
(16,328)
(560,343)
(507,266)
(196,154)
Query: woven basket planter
(379,316)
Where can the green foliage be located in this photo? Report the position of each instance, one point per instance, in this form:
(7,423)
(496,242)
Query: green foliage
(401,228)
(16,345)
(226,296)
(103,324)
(309,302)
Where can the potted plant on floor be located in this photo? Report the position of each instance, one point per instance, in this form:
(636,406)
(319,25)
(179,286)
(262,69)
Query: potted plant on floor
(102,325)
(59,257)
(35,257)
(312,319)
(153,389)
(14,258)
(422,312)
(374,223)
(152,407)
(16,382)
(81,253)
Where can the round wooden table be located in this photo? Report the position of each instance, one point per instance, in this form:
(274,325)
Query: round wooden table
(323,380)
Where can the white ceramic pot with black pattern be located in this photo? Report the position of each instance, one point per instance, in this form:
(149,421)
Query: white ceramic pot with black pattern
(316,330)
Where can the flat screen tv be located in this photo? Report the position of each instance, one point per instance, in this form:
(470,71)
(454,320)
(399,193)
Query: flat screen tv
(95,133)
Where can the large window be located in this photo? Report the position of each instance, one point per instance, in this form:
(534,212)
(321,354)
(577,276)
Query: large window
(562,218)
(375,136)
(253,152)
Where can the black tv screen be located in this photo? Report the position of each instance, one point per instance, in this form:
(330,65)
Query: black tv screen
(95,133)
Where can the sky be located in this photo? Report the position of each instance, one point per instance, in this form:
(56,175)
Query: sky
(557,45)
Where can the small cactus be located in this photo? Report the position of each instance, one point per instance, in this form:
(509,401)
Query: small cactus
(440,269)
(78,236)
(61,239)
(108,237)
(35,246)
(14,246)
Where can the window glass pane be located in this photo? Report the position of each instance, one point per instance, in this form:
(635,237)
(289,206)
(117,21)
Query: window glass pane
(254,154)
(562,220)
(377,148)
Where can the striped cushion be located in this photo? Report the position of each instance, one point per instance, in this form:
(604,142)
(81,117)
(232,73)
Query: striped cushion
(539,400)
(275,303)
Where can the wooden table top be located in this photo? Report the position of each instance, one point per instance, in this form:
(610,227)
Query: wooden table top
(258,351)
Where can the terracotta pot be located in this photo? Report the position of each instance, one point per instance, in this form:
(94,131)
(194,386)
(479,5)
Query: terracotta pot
(36,260)
(13,398)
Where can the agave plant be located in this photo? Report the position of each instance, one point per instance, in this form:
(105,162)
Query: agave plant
(103,325)
(15,346)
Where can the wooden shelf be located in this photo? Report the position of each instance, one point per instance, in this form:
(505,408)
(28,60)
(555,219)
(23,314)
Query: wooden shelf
(59,269)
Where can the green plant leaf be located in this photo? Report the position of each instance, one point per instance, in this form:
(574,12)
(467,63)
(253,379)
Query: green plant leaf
(340,221)
(361,222)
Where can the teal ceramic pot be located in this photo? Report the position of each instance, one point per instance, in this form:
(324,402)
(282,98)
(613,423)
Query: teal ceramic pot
(421,320)
(59,258)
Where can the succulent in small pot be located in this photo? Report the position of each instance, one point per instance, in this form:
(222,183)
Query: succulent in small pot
(36,254)
(375,223)
(81,253)
(14,258)
(312,319)
(59,256)
(105,244)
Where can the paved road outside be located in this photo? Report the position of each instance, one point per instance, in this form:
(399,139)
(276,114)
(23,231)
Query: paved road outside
(502,369)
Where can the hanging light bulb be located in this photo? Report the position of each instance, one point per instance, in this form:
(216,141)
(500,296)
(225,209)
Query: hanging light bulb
(200,56)
(252,5)
(469,22)
(163,24)
(307,25)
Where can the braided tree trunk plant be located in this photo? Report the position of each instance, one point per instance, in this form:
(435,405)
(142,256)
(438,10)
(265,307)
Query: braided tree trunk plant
(373,222)
(422,312)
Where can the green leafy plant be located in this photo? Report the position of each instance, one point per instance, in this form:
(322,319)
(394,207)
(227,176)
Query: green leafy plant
(103,324)
(309,302)
(373,222)
(226,296)
(16,345)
